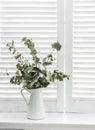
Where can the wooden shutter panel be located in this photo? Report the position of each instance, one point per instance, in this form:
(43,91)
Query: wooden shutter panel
(80,50)
(83,49)
(26,18)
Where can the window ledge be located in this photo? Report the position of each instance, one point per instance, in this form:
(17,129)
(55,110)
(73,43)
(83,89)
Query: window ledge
(56,121)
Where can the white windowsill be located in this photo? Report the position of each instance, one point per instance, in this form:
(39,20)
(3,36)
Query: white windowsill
(53,121)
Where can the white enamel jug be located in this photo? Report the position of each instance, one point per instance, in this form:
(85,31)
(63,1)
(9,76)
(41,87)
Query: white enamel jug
(35,105)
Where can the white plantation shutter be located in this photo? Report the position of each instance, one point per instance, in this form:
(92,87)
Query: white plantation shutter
(84,49)
(82,54)
(36,19)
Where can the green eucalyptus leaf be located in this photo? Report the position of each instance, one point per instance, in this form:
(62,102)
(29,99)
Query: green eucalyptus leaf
(18,66)
(24,39)
(33,51)
(47,63)
(18,55)
(56,46)
(36,59)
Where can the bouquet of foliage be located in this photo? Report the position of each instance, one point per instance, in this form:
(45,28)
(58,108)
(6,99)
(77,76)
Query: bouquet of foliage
(34,75)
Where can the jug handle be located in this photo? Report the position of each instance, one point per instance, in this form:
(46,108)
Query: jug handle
(24,95)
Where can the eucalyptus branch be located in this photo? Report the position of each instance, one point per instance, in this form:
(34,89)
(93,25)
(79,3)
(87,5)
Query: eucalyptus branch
(13,50)
(34,75)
